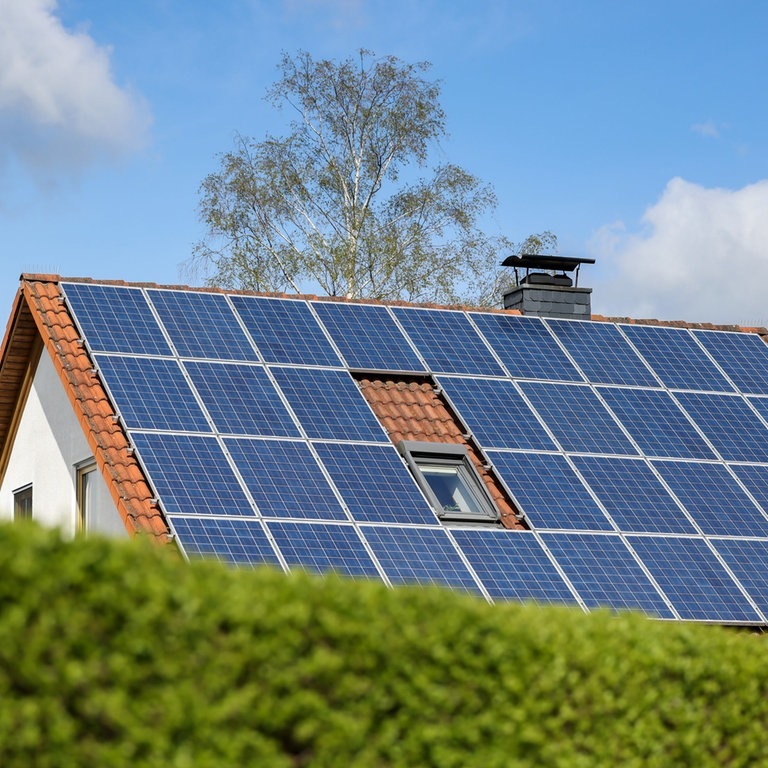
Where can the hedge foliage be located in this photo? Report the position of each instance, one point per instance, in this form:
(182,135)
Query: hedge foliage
(115,654)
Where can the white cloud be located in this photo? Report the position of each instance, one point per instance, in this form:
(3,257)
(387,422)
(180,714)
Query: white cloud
(703,257)
(60,107)
(707,129)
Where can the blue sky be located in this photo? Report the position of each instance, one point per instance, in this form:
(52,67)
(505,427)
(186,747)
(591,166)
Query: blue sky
(636,131)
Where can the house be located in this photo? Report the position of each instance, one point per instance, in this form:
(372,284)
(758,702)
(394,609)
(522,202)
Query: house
(515,456)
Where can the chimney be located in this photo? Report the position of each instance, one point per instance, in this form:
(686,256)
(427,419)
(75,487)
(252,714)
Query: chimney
(546,290)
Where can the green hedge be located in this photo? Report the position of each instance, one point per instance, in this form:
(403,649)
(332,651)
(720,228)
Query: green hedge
(115,654)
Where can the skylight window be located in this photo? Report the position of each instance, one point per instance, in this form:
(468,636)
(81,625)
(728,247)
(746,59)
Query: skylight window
(449,481)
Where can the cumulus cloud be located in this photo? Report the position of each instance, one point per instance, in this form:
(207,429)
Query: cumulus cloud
(707,129)
(60,107)
(702,256)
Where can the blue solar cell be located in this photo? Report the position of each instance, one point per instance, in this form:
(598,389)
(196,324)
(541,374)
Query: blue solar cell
(368,337)
(375,484)
(323,547)
(633,496)
(496,413)
(202,325)
(748,559)
(513,566)
(693,579)
(152,393)
(602,352)
(549,491)
(419,556)
(714,499)
(730,425)
(191,475)
(526,347)
(237,541)
(756,481)
(656,423)
(577,418)
(115,319)
(329,404)
(241,399)
(676,358)
(743,356)
(285,331)
(448,342)
(285,479)
(760,404)
(604,573)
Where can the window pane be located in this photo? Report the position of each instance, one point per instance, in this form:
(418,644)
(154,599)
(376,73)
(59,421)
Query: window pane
(22,504)
(451,489)
(98,511)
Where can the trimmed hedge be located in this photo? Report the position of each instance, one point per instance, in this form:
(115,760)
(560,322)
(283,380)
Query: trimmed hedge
(116,654)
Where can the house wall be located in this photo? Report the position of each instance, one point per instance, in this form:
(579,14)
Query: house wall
(48,448)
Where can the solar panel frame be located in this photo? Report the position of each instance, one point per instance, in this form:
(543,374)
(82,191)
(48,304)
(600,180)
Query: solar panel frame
(375,484)
(602,352)
(496,413)
(424,556)
(368,337)
(693,579)
(202,325)
(549,492)
(743,357)
(656,423)
(713,498)
(512,565)
(577,418)
(285,331)
(748,560)
(236,541)
(328,404)
(241,399)
(285,479)
(448,341)
(633,495)
(151,393)
(115,319)
(755,479)
(526,347)
(677,358)
(604,572)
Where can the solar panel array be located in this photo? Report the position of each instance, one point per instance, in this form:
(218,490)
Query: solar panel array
(637,455)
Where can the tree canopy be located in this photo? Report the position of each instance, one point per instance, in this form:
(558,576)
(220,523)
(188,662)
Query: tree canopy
(347,202)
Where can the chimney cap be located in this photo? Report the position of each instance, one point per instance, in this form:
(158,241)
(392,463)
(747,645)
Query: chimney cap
(544,261)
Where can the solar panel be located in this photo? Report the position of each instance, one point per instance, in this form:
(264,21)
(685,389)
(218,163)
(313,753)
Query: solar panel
(202,325)
(577,418)
(604,573)
(548,491)
(743,356)
(513,566)
(676,358)
(755,479)
(284,479)
(285,331)
(367,337)
(152,393)
(375,484)
(602,352)
(233,540)
(191,474)
(693,579)
(241,399)
(748,559)
(419,556)
(448,342)
(115,319)
(730,425)
(633,496)
(496,413)
(714,499)
(323,547)
(656,423)
(526,347)
(328,404)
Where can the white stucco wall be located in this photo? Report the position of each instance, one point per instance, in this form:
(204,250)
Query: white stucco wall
(49,446)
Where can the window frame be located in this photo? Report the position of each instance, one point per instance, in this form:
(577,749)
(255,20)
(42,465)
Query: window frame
(420,455)
(23,503)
